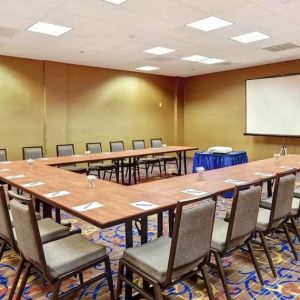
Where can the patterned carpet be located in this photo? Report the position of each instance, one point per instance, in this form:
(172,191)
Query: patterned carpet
(241,277)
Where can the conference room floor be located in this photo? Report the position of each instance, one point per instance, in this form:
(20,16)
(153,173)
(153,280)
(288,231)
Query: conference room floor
(242,279)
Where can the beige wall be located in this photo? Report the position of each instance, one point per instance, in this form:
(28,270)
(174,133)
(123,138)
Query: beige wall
(214,111)
(47,103)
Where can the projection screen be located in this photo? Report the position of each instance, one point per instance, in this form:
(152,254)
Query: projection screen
(273,106)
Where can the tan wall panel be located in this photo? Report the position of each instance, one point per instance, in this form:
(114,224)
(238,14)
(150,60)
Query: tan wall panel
(21,104)
(106,105)
(214,111)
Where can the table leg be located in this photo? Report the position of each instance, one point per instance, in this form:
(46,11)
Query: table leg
(57,215)
(269,188)
(135,164)
(129,170)
(160,223)
(47,210)
(122,171)
(184,162)
(129,244)
(171,221)
(179,162)
(117,163)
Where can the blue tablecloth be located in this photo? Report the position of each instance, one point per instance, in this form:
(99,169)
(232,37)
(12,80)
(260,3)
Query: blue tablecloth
(210,161)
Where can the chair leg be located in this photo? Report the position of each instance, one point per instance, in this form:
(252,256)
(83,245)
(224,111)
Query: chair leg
(104,174)
(267,252)
(56,290)
(207,282)
(120,280)
(255,263)
(109,278)
(159,166)
(222,274)
(165,167)
(23,282)
(16,280)
(294,225)
(286,231)
(2,249)
(147,168)
(157,291)
(110,175)
(81,278)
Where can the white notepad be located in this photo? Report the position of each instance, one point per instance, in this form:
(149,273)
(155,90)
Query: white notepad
(88,206)
(234,181)
(15,176)
(32,184)
(4,170)
(57,194)
(264,174)
(44,158)
(5,162)
(194,192)
(287,167)
(144,205)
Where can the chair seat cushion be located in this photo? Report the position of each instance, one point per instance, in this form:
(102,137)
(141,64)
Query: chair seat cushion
(101,166)
(297,192)
(74,169)
(267,203)
(50,230)
(219,235)
(67,254)
(152,257)
(263,219)
(295,206)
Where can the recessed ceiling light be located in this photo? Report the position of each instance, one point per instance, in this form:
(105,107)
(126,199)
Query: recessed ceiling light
(195,58)
(211,61)
(47,28)
(250,37)
(147,68)
(209,23)
(117,2)
(159,50)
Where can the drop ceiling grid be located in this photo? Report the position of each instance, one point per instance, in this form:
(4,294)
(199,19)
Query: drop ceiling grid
(114,36)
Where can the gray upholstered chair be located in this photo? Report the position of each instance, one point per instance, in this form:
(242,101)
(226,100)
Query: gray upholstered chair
(57,260)
(295,211)
(3,155)
(34,152)
(165,261)
(68,150)
(122,164)
(100,166)
(49,230)
(165,159)
(144,160)
(271,219)
(7,238)
(239,230)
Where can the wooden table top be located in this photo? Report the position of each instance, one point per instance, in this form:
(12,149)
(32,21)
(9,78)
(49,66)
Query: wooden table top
(117,199)
(214,180)
(63,160)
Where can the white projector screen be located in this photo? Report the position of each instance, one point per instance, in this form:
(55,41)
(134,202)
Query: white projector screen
(273,106)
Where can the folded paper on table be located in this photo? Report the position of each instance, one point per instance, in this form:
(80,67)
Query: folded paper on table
(88,206)
(5,162)
(234,181)
(144,205)
(57,194)
(264,174)
(194,192)
(4,170)
(31,184)
(15,176)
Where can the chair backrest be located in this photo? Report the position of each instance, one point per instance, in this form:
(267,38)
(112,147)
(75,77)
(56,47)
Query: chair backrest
(34,152)
(65,150)
(138,144)
(6,231)
(192,233)
(116,146)
(28,236)
(156,143)
(282,197)
(243,217)
(94,147)
(3,155)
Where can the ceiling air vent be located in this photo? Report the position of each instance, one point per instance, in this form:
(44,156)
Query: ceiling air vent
(281,47)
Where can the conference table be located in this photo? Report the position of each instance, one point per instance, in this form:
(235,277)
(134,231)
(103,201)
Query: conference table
(109,203)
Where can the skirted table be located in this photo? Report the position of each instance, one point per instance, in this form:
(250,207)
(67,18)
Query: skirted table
(210,161)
